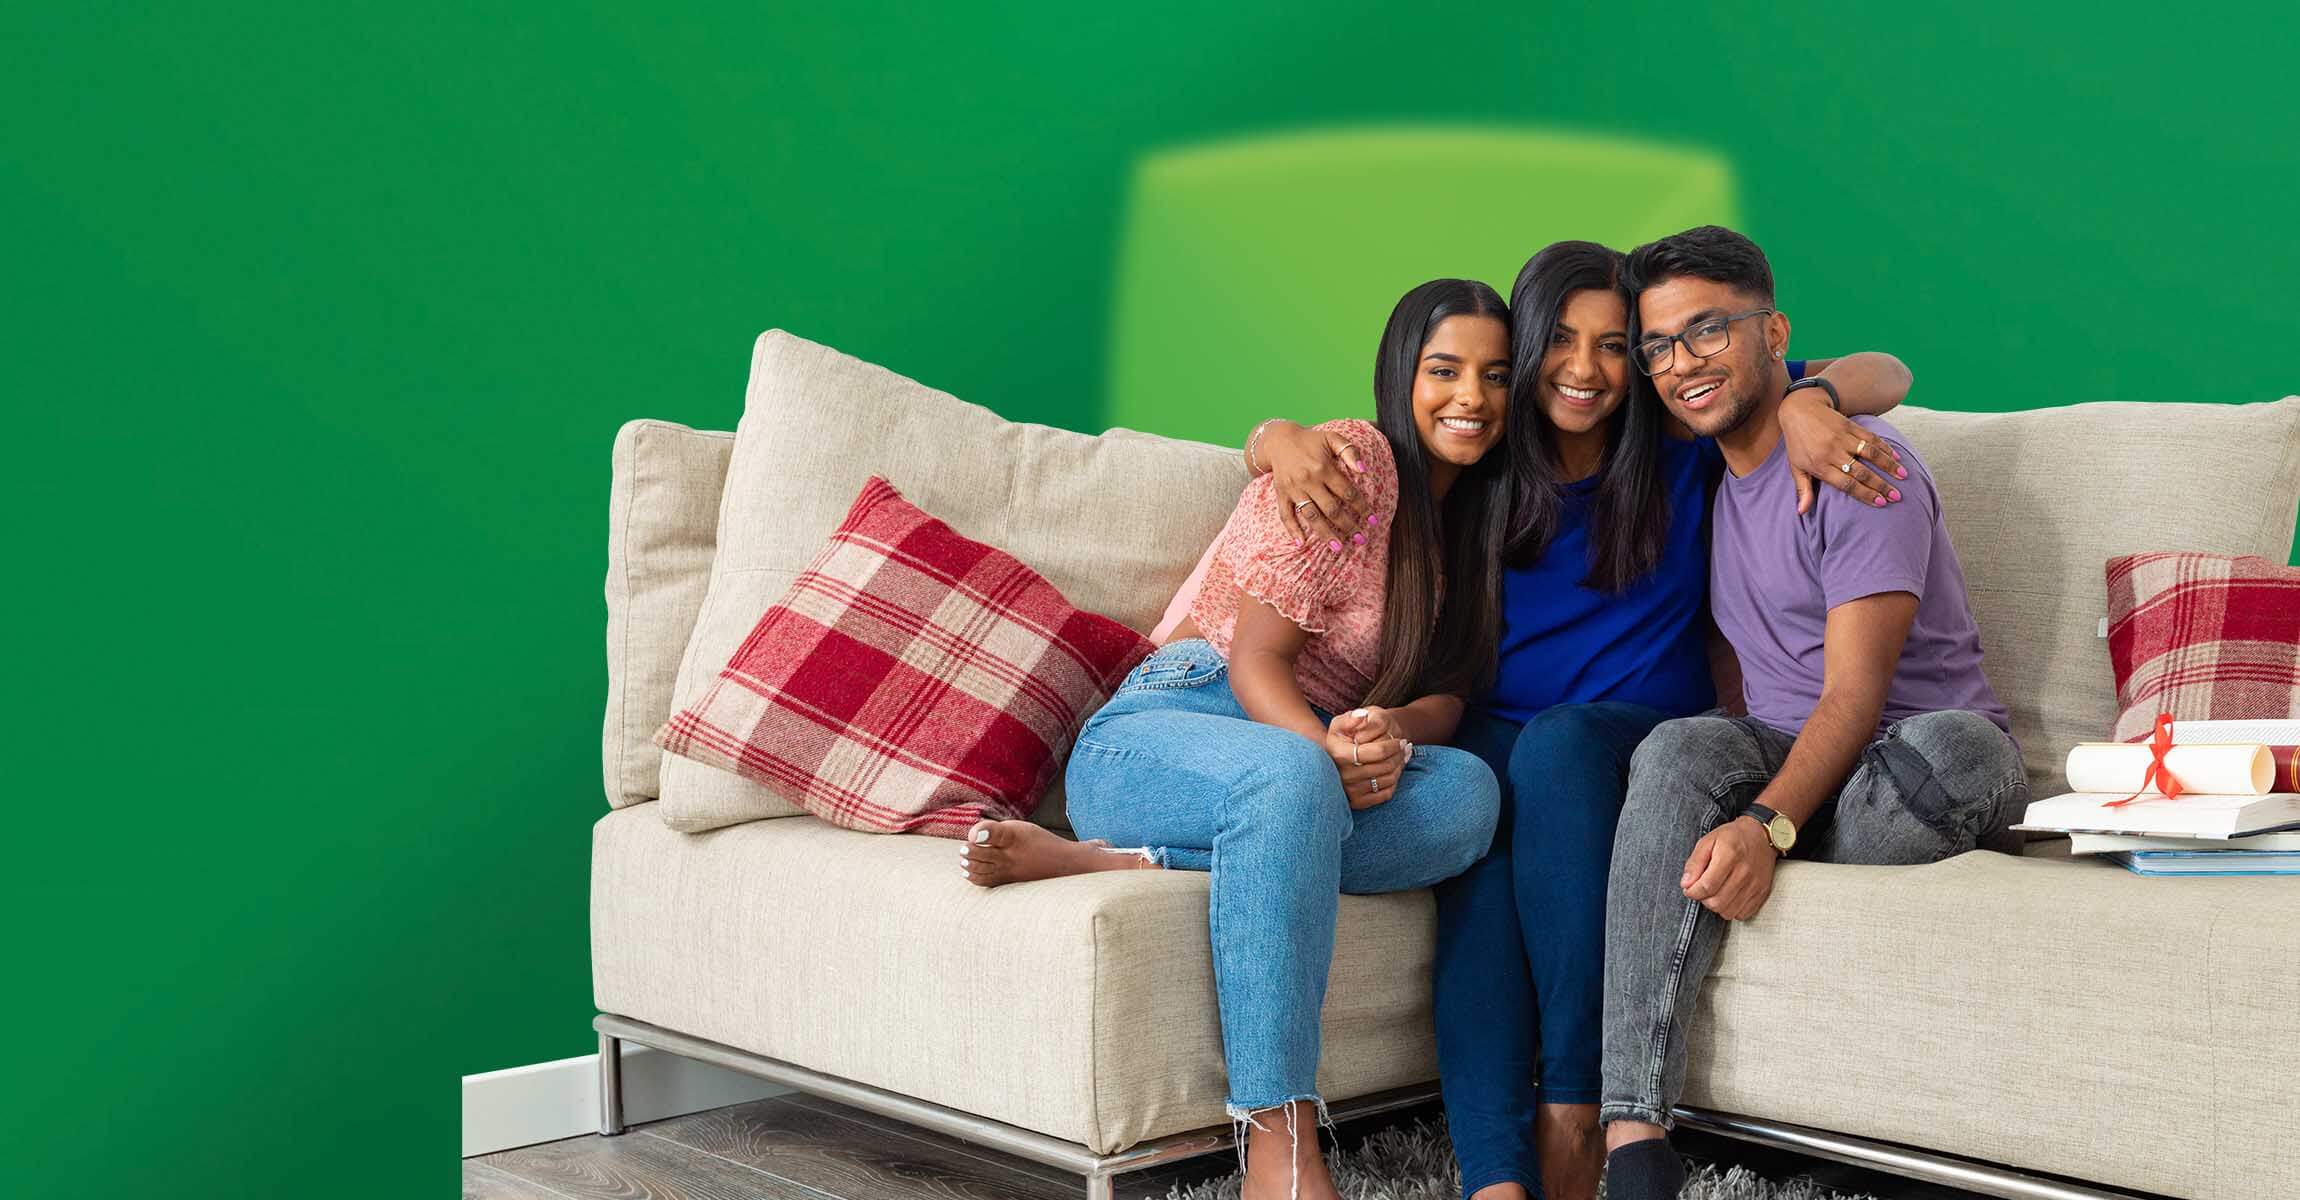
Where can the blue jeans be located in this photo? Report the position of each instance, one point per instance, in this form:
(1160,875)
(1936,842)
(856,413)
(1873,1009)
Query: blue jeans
(1520,980)
(1173,765)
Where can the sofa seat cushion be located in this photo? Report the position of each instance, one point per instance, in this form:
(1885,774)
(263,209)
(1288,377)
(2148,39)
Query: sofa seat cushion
(2105,1039)
(1082,1008)
(2053,1014)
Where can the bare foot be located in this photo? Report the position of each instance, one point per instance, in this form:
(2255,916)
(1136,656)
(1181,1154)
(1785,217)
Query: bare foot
(1572,1149)
(1282,1157)
(999,852)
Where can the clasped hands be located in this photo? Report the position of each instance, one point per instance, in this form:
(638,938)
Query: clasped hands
(1370,750)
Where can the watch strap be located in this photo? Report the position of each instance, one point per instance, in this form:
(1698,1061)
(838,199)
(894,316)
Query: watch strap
(1765,817)
(1814,381)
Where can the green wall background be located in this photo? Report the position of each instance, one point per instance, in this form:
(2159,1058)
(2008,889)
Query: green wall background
(318,322)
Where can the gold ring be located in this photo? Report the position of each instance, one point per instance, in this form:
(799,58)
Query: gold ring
(1861,451)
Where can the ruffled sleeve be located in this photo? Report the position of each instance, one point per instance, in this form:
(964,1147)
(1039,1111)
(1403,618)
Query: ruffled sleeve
(1306,583)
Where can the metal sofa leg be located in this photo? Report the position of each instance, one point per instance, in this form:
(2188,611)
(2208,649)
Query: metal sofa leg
(1101,1187)
(610,1085)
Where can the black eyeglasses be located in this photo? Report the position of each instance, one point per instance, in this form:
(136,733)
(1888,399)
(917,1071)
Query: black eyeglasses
(1704,340)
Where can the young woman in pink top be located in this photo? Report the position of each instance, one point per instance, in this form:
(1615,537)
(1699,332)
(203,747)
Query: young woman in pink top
(1288,736)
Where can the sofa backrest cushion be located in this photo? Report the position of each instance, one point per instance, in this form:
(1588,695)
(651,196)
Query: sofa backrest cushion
(662,525)
(2037,502)
(1115,522)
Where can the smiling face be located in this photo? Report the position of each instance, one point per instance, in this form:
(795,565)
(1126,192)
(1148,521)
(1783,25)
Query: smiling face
(1715,395)
(1461,391)
(1585,373)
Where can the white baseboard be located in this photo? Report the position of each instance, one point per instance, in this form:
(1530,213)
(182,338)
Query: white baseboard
(545,1102)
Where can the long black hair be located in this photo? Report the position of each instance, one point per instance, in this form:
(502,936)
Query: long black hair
(1441,616)
(1629,520)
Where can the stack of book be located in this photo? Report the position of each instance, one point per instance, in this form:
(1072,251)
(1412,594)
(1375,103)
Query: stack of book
(2238,811)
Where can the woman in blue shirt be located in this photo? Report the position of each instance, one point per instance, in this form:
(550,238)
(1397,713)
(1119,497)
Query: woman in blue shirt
(1606,634)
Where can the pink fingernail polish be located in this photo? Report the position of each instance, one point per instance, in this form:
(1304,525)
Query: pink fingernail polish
(1894,494)
(1336,547)
(1880,502)
(1358,539)
(1900,472)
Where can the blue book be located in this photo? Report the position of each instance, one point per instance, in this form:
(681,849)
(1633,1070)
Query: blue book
(2208,862)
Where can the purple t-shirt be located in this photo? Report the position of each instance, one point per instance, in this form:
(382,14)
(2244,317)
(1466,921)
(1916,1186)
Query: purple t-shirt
(1774,576)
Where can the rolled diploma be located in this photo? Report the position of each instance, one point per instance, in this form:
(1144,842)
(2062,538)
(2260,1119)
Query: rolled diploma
(2211,770)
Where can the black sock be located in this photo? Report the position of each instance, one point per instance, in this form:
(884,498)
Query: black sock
(1646,1170)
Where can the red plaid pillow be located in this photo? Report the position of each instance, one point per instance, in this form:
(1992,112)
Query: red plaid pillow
(910,680)
(2205,637)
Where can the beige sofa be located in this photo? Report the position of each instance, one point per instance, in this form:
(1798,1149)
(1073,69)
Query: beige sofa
(1982,1020)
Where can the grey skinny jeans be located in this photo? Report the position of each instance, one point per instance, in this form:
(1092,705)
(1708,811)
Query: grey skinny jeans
(1934,785)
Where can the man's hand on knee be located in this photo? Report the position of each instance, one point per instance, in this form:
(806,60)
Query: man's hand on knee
(1730,872)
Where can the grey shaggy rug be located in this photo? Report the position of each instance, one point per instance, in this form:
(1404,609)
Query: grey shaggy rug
(1416,1163)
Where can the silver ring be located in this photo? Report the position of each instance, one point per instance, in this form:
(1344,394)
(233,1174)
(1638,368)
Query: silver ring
(1299,505)
(1354,755)
(1374,784)
(1846,467)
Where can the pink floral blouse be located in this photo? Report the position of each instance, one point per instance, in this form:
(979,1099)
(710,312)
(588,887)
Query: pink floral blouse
(1335,595)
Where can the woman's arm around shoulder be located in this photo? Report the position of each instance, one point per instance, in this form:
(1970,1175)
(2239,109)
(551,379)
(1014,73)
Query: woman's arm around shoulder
(1825,444)
(1315,472)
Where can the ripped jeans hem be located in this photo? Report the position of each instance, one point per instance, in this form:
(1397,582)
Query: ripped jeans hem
(1243,1114)
(1242,1118)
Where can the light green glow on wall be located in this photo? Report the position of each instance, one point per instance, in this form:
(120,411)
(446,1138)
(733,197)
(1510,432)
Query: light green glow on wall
(1254,276)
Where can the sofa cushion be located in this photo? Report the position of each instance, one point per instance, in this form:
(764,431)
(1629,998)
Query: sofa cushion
(662,525)
(1954,1005)
(2056,1015)
(1115,522)
(2037,502)
(911,680)
(1079,1007)
(2204,637)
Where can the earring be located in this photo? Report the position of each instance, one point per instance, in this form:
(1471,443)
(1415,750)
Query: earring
(1780,354)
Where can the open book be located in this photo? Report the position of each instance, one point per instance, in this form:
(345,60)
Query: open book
(2200,816)
(2105,843)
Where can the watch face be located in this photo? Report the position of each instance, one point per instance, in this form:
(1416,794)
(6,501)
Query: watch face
(1783,834)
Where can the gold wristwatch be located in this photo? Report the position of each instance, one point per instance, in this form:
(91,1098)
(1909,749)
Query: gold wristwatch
(1778,830)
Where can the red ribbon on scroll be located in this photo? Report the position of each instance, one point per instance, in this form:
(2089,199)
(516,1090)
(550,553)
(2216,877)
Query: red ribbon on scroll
(2159,776)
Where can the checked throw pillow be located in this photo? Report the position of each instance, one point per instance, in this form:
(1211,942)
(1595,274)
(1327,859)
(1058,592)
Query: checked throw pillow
(2205,637)
(911,680)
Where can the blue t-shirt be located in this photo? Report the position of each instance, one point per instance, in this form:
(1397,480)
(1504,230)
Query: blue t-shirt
(1563,642)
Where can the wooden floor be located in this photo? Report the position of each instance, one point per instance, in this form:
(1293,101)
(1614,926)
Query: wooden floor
(794,1146)
(801,1148)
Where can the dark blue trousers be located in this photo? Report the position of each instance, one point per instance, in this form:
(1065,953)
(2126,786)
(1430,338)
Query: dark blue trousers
(1521,935)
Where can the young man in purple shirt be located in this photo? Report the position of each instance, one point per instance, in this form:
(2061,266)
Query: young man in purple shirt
(1872,736)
